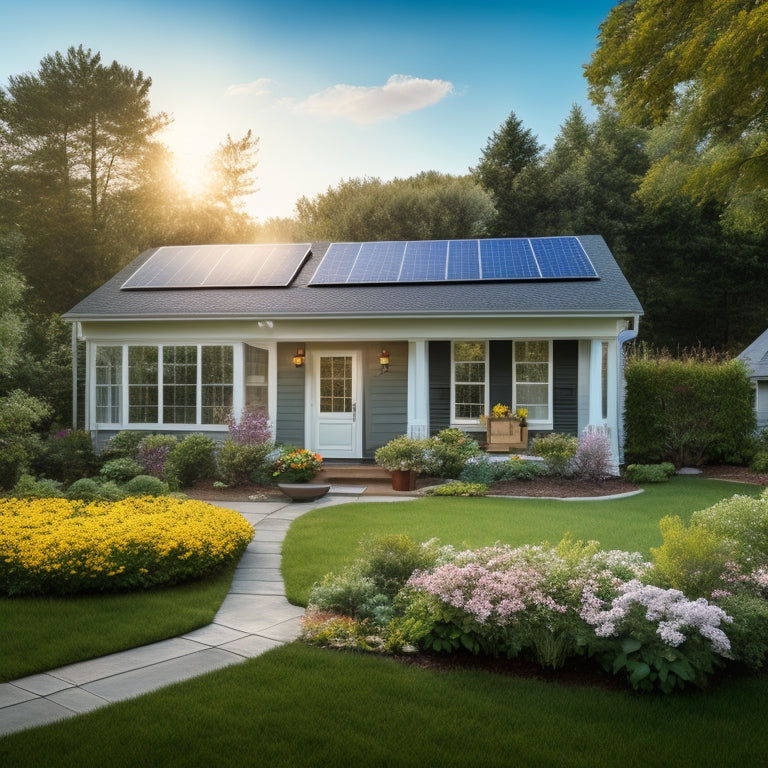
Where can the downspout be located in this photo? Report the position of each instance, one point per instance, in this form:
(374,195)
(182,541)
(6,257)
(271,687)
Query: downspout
(74,376)
(623,338)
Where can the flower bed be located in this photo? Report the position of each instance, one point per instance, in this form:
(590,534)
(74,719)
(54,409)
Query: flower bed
(56,546)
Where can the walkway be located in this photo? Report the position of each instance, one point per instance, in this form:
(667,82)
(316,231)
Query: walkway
(254,617)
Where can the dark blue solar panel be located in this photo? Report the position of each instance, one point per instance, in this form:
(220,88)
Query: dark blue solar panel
(220,266)
(336,264)
(424,261)
(463,260)
(507,259)
(562,257)
(378,263)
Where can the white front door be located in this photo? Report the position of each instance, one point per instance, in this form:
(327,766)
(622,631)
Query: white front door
(336,429)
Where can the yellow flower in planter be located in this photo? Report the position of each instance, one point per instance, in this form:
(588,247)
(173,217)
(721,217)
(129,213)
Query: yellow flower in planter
(500,411)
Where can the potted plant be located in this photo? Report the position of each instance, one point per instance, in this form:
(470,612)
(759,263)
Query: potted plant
(404,457)
(505,430)
(294,468)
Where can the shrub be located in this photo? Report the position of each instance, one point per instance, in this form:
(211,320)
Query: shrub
(480,470)
(390,561)
(120,470)
(448,451)
(153,452)
(759,463)
(748,632)
(335,631)
(85,489)
(19,445)
(402,453)
(125,444)
(240,462)
(251,429)
(593,460)
(193,459)
(67,456)
(557,451)
(145,485)
(458,488)
(111,491)
(687,411)
(28,487)
(59,547)
(520,469)
(691,559)
(347,592)
(649,473)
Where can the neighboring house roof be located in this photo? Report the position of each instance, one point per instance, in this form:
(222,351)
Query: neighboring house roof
(756,356)
(610,294)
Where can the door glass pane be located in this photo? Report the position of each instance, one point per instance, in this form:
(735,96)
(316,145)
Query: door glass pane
(336,384)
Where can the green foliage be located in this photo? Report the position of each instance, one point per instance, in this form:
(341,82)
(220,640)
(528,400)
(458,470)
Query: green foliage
(687,411)
(649,473)
(458,488)
(691,559)
(448,451)
(12,288)
(193,459)
(520,469)
(403,452)
(759,462)
(153,452)
(428,206)
(67,456)
(19,444)
(348,593)
(145,485)
(748,632)
(125,444)
(557,451)
(28,487)
(85,489)
(238,462)
(120,470)
(390,561)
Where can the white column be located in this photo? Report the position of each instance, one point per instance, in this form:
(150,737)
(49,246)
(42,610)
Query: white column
(596,383)
(418,389)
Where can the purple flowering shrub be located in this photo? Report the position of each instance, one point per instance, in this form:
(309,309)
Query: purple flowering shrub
(153,452)
(243,456)
(593,460)
(250,429)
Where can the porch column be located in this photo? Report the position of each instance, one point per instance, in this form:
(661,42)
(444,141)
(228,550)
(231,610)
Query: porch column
(596,383)
(418,389)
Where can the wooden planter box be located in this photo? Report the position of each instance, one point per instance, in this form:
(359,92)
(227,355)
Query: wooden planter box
(505,435)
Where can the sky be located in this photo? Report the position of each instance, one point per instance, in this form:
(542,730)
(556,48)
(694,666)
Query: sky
(334,90)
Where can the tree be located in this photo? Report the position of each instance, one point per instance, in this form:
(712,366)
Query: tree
(73,136)
(429,206)
(12,290)
(232,167)
(509,151)
(702,65)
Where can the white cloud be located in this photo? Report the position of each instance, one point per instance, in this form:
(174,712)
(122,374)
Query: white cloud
(362,104)
(258,87)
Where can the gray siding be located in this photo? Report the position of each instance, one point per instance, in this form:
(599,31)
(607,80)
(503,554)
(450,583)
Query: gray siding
(386,397)
(762,404)
(439,385)
(289,429)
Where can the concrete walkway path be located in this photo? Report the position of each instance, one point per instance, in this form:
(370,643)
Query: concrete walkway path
(254,617)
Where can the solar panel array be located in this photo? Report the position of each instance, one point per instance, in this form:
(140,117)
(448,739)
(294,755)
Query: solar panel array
(432,261)
(220,266)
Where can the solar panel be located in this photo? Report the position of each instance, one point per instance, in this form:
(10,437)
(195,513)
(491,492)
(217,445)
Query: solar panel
(437,261)
(220,266)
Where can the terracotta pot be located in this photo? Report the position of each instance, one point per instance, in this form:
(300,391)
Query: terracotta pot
(403,480)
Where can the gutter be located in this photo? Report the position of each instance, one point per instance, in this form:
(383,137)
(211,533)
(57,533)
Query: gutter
(623,338)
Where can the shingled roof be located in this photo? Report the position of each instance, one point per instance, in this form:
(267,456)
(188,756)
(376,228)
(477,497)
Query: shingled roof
(756,356)
(610,294)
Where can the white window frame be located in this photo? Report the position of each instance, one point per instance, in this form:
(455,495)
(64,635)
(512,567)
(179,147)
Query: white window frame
(536,423)
(463,422)
(160,424)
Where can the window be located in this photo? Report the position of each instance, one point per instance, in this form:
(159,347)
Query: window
(109,376)
(166,384)
(469,380)
(256,380)
(532,372)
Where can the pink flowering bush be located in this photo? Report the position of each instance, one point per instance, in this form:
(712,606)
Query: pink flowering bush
(593,460)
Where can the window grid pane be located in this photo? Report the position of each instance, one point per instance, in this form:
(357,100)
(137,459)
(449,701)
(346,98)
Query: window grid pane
(217,384)
(142,385)
(469,375)
(180,385)
(532,367)
(336,384)
(109,373)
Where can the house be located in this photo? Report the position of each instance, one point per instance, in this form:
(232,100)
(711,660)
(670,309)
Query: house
(756,358)
(347,345)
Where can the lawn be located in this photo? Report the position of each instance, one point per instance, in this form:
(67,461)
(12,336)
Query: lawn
(300,706)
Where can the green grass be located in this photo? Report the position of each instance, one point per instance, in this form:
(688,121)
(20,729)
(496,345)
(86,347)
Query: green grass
(39,633)
(299,706)
(325,539)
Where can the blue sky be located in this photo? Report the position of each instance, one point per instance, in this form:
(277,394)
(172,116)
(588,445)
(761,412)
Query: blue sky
(336,89)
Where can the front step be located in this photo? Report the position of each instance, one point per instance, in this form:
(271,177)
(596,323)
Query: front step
(355,474)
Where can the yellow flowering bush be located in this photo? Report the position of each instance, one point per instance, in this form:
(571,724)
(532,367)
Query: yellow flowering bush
(58,546)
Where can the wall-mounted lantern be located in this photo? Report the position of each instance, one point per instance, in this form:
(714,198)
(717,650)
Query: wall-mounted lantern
(384,360)
(299,357)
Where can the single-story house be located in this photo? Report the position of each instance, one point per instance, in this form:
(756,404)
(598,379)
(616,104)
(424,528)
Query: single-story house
(347,345)
(756,358)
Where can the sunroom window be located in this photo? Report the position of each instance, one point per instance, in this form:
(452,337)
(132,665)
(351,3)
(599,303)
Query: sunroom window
(109,382)
(469,380)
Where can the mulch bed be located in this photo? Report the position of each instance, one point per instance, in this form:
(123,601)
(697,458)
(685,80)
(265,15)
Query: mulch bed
(552,487)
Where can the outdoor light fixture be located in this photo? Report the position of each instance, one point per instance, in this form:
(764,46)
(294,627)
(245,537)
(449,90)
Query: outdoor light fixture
(384,360)
(299,357)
